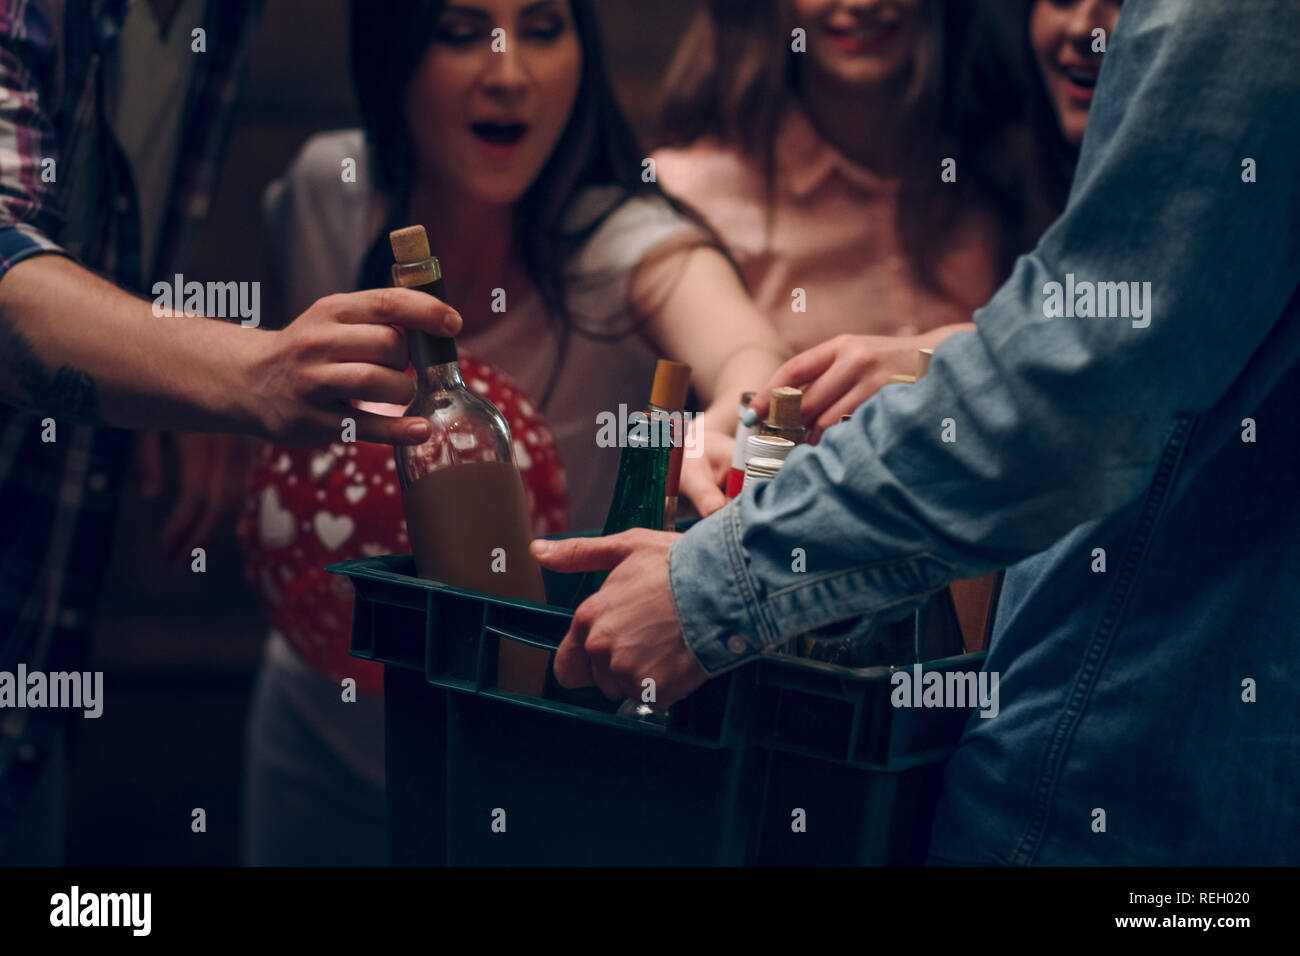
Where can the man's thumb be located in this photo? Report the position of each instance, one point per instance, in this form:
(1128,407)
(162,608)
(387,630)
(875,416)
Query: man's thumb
(571,555)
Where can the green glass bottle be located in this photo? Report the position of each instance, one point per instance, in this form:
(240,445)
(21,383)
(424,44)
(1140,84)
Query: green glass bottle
(646,484)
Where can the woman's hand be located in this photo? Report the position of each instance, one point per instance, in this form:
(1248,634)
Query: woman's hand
(842,373)
(732,352)
(705,467)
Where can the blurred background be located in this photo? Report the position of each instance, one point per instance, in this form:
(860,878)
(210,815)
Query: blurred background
(178,649)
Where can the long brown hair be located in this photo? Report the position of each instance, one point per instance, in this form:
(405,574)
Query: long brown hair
(734,77)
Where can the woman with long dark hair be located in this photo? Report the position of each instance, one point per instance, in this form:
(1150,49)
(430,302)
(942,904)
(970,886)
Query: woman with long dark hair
(491,123)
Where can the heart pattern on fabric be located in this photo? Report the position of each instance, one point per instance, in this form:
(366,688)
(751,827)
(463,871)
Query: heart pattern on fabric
(321,463)
(333,530)
(274,523)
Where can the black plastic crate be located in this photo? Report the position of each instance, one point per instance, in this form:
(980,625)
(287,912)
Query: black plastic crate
(721,783)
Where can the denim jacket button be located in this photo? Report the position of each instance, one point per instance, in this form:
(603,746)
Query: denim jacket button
(737,644)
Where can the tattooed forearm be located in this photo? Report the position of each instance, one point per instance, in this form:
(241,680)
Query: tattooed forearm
(68,391)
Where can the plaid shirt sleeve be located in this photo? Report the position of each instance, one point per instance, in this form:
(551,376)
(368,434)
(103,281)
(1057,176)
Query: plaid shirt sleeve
(29,212)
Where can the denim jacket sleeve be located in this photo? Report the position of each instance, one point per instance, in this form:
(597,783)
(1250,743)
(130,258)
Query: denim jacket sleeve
(1189,186)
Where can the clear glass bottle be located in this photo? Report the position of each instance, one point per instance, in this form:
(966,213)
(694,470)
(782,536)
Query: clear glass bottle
(466,512)
(465,426)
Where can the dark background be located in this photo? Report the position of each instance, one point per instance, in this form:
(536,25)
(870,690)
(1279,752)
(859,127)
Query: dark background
(179,649)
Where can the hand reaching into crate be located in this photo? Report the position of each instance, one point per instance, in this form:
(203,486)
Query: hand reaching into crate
(628,631)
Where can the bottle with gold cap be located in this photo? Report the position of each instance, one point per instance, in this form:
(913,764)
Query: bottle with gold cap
(466,512)
(643,490)
(668,425)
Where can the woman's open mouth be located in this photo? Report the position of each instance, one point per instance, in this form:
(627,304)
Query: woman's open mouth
(499,138)
(1079,82)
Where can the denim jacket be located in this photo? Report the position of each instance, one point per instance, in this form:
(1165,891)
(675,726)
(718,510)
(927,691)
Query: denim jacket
(1137,474)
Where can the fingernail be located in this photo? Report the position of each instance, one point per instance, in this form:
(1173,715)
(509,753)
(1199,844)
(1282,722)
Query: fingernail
(541,547)
(417,431)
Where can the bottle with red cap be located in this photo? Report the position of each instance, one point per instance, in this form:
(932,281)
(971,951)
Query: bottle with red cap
(746,425)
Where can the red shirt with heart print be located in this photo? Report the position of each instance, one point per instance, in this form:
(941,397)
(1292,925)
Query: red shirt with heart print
(307,508)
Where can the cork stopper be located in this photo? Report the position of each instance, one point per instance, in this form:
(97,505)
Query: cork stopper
(672,379)
(784,410)
(923,361)
(902,379)
(410,244)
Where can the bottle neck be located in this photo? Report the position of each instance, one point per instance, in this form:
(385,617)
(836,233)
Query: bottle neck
(426,350)
(431,351)
(438,376)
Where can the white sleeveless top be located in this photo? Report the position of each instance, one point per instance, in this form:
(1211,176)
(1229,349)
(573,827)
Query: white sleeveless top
(320,228)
